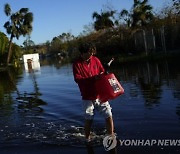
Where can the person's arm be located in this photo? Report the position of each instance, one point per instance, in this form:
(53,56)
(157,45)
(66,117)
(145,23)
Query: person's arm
(100,66)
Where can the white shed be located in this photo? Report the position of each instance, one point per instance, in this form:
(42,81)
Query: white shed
(31,62)
(33,57)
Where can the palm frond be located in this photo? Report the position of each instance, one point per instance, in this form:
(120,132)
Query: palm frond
(96,15)
(28,17)
(7,24)
(7,9)
(24,10)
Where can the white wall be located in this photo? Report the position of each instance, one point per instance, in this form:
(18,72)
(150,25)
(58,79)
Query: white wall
(34,57)
(34,61)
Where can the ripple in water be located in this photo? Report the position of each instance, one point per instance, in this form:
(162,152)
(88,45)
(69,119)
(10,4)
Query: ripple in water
(49,133)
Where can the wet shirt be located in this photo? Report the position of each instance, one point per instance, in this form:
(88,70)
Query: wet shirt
(84,73)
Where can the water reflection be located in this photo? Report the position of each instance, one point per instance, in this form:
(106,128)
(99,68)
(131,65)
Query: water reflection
(176,94)
(8,81)
(151,80)
(147,85)
(150,84)
(31,101)
(90,150)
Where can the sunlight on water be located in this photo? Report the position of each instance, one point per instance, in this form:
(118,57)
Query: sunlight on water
(49,133)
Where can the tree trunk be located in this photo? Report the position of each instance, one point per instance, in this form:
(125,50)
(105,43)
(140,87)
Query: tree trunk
(163,39)
(145,42)
(154,41)
(9,50)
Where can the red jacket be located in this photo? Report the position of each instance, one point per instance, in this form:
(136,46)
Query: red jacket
(84,76)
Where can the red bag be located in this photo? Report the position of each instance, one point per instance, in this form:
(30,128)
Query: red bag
(108,87)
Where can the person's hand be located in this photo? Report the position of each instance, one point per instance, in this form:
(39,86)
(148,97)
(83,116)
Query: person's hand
(97,77)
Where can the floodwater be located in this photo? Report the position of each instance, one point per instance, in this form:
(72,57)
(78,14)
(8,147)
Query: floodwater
(43,107)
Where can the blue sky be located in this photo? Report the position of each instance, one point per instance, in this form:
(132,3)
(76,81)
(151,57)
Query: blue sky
(53,17)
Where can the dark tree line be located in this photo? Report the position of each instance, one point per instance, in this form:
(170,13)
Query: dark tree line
(111,31)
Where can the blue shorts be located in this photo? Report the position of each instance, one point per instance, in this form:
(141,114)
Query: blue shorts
(103,108)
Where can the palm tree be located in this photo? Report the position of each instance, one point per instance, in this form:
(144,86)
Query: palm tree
(140,15)
(176,6)
(20,23)
(126,16)
(103,20)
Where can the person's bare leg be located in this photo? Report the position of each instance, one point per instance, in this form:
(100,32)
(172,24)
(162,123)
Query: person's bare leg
(110,125)
(87,128)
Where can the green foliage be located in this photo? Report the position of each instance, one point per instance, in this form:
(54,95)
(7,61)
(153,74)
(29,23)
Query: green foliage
(8,80)
(3,47)
(17,52)
(28,45)
(7,9)
(119,41)
(109,38)
(20,23)
(176,6)
(140,14)
(3,43)
(103,20)
(60,43)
